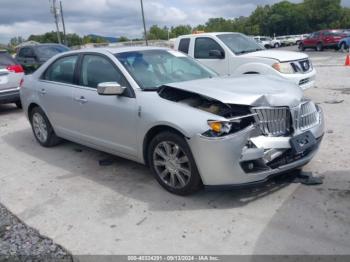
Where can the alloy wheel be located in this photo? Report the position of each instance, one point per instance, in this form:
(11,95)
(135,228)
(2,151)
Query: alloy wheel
(40,127)
(172,165)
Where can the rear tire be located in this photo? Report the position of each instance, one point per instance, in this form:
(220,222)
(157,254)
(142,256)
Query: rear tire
(301,47)
(172,164)
(42,128)
(276,45)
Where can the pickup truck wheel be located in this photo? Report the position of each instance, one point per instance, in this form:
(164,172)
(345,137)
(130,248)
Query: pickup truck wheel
(42,129)
(319,47)
(301,47)
(173,165)
(276,45)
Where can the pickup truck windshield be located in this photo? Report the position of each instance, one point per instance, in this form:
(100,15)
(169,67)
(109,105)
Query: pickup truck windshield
(154,68)
(239,43)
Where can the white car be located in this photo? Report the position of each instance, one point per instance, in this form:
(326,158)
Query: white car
(236,54)
(268,42)
(264,41)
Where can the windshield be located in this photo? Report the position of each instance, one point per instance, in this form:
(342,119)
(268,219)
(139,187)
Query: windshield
(48,51)
(154,68)
(239,43)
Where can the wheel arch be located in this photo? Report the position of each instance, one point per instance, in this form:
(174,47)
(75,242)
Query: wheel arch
(151,133)
(31,107)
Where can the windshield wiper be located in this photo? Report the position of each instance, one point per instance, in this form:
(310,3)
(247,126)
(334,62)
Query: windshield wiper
(248,51)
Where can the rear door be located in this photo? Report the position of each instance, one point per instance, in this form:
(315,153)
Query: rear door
(8,79)
(202,48)
(55,91)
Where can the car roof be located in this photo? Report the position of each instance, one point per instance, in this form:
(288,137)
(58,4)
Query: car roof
(116,50)
(208,34)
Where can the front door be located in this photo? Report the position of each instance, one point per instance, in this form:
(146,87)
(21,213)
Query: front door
(202,48)
(106,121)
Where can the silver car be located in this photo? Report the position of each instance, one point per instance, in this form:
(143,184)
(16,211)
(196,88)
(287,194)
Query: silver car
(11,75)
(163,109)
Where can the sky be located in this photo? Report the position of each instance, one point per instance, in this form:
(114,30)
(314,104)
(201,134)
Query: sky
(116,17)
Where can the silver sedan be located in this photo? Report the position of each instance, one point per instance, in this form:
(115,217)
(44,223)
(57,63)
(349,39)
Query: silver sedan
(161,108)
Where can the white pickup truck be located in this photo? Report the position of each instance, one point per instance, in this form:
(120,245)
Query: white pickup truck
(236,54)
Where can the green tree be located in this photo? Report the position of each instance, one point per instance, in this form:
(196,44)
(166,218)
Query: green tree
(123,39)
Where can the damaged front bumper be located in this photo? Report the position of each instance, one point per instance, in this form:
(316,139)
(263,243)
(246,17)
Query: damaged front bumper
(246,157)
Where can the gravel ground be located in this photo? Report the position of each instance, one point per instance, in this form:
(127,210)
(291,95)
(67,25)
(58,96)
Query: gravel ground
(18,242)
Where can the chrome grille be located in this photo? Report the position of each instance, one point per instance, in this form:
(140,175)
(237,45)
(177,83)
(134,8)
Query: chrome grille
(302,66)
(305,115)
(272,121)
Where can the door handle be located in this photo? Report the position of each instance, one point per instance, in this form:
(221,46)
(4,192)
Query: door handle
(81,100)
(42,91)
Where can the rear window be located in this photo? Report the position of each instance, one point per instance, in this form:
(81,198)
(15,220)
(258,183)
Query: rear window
(184,45)
(6,59)
(50,50)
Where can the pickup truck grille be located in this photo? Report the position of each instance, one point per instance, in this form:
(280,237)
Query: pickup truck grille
(302,66)
(305,115)
(272,121)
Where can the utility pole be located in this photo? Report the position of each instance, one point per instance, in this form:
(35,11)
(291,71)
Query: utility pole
(144,23)
(54,11)
(63,24)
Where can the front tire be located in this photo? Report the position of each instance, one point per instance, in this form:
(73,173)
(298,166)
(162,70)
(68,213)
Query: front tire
(19,104)
(319,47)
(42,128)
(173,165)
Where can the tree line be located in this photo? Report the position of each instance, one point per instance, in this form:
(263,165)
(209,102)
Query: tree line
(282,18)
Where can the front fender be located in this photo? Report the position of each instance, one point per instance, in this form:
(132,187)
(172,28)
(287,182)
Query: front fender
(260,68)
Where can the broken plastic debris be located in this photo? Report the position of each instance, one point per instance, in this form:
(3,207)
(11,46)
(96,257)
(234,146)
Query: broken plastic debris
(306,178)
(105,162)
(334,101)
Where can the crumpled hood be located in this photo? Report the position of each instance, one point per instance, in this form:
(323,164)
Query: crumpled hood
(250,90)
(281,56)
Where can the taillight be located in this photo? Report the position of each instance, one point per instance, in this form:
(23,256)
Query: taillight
(15,68)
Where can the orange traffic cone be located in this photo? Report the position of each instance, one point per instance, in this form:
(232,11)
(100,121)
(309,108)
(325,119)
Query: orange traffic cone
(347,60)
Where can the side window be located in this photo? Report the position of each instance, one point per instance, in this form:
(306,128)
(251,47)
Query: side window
(96,69)
(62,70)
(26,52)
(184,45)
(203,46)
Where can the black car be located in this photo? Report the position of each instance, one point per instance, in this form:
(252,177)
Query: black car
(32,57)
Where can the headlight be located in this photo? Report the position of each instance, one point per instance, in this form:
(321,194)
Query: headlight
(232,125)
(284,68)
(220,127)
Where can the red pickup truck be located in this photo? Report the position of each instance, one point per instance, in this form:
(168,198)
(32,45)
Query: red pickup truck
(322,39)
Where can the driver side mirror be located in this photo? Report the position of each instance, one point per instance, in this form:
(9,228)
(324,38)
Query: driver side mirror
(216,54)
(110,89)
